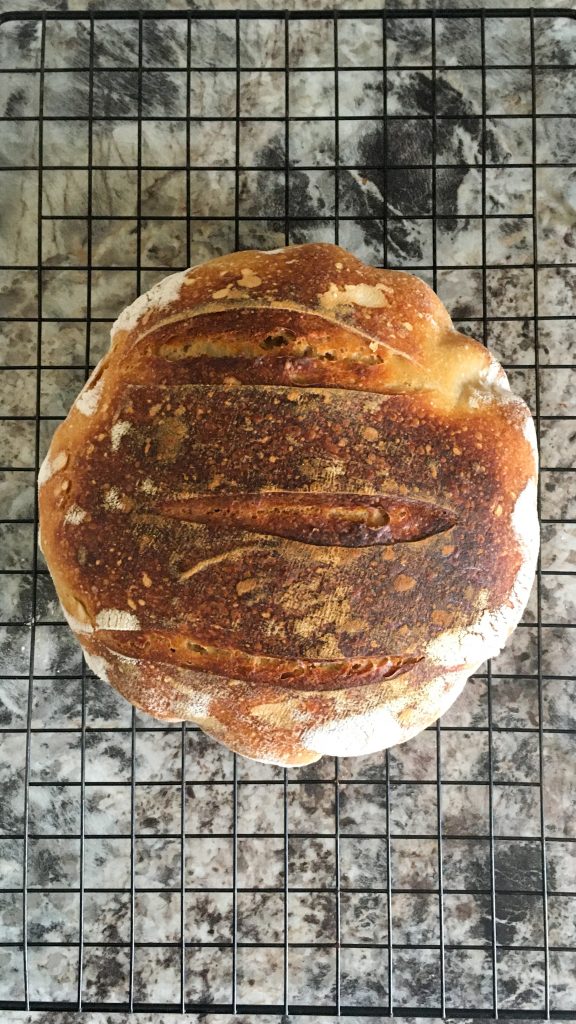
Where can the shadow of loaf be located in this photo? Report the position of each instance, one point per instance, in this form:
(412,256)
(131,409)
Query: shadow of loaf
(292,504)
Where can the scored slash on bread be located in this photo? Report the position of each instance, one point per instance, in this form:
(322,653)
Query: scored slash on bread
(350,520)
(292,504)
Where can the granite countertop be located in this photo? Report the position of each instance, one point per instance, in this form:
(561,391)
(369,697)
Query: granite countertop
(499,726)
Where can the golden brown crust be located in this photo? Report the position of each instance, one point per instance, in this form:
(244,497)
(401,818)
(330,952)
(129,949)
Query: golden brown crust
(315,501)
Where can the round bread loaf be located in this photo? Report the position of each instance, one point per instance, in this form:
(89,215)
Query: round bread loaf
(292,504)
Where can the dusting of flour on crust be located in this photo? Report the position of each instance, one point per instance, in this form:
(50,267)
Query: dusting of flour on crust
(75,515)
(45,472)
(148,486)
(494,374)
(113,618)
(125,658)
(198,705)
(99,666)
(355,735)
(527,529)
(476,643)
(113,500)
(89,398)
(118,431)
(525,520)
(358,734)
(529,431)
(75,625)
(486,637)
(51,466)
(162,294)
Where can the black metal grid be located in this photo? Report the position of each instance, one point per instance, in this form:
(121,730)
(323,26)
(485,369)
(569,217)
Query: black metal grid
(501,956)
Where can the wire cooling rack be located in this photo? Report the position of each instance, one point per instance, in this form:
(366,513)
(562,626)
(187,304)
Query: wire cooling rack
(143,866)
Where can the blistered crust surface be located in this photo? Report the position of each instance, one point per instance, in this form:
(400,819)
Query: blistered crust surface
(292,504)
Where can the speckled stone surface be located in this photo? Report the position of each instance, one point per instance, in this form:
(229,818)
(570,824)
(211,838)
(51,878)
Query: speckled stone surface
(260,847)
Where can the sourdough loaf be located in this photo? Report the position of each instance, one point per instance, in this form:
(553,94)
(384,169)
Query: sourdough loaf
(292,504)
